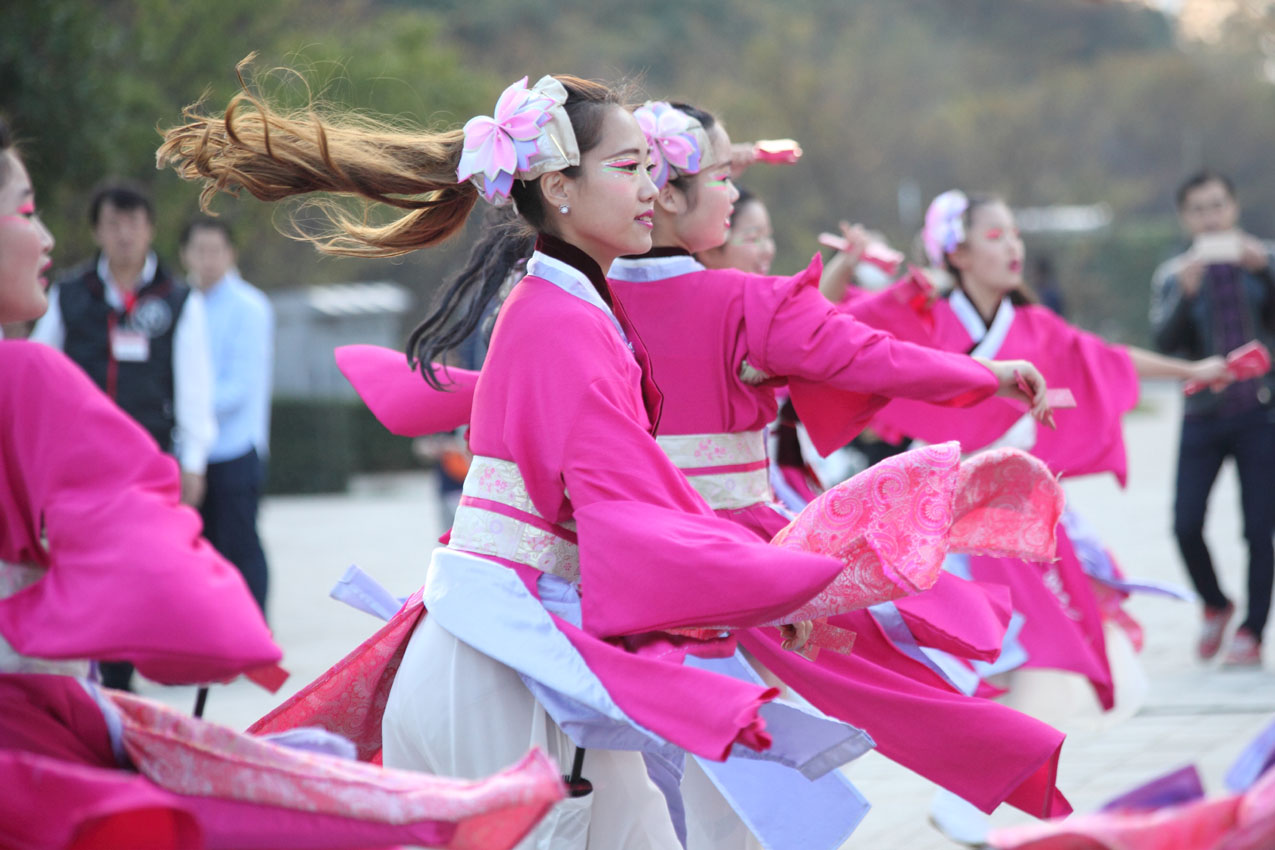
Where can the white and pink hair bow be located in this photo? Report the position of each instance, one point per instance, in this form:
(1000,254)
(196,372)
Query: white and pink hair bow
(944,225)
(528,135)
(677,141)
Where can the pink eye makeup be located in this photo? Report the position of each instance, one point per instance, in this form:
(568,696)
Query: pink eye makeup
(621,166)
(995,233)
(719,182)
(26,212)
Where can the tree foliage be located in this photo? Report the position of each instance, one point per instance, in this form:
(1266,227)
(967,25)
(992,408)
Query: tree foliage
(1045,101)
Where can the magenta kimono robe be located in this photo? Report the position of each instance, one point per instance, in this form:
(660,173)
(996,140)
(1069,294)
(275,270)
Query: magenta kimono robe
(89,508)
(1063,627)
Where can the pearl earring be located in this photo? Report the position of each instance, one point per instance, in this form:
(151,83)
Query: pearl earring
(564,209)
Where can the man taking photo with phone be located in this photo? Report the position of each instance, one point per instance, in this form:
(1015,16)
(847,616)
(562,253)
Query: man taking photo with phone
(1213,298)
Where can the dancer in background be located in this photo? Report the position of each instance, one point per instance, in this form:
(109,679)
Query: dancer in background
(1071,607)
(990,313)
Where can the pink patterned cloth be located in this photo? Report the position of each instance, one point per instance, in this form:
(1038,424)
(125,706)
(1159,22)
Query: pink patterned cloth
(1243,821)
(349,698)
(892,524)
(196,758)
(198,785)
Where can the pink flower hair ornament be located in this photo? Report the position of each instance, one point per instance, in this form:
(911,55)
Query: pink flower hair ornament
(679,143)
(528,135)
(944,225)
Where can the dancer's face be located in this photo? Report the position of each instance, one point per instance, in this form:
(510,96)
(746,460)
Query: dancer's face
(750,244)
(610,202)
(991,256)
(701,216)
(25,247)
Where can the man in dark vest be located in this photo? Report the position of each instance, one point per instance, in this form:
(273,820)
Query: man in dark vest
(1211,299)
(141,336)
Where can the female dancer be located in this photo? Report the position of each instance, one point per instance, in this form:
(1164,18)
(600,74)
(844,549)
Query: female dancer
(750,240)
(512,650)
(886,701)
(101,561)
(721,341)
(989,313)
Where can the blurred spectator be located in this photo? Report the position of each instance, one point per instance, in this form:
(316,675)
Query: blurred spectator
(1210,300)
(241,337)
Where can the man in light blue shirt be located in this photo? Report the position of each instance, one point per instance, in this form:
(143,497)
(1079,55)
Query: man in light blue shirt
(241,337)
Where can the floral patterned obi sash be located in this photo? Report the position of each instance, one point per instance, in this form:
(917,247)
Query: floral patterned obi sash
(729,470)
(496,517)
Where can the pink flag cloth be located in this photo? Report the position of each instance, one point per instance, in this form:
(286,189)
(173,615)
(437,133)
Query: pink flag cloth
(89,498)
(1243,821)
(893,524)
(199,785)
(349,698)
(1101,377)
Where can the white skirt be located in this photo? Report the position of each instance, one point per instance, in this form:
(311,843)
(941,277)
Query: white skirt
(453,711)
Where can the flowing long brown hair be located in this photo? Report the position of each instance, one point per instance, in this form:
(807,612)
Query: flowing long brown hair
(275,153)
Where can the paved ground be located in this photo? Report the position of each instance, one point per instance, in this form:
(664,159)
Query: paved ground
(1192,714)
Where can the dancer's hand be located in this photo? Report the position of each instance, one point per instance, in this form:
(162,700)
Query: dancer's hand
(1212,371)
(796,635)
(1021,380)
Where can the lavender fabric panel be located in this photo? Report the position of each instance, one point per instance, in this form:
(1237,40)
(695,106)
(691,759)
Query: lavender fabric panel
(1097,562)
(359,590)
(786,811)
(1256,759)
(1180,786)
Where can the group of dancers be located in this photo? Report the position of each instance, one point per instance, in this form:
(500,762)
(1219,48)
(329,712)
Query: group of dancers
(627,641)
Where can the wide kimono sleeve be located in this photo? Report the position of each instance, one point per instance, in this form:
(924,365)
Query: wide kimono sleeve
(840,370)
(400,398)
(88,495)
(653,556)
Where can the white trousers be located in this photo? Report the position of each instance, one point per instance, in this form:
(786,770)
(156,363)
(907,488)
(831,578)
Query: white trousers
(453,711)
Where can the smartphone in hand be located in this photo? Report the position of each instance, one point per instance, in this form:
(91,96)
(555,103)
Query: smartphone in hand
(1223,248)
